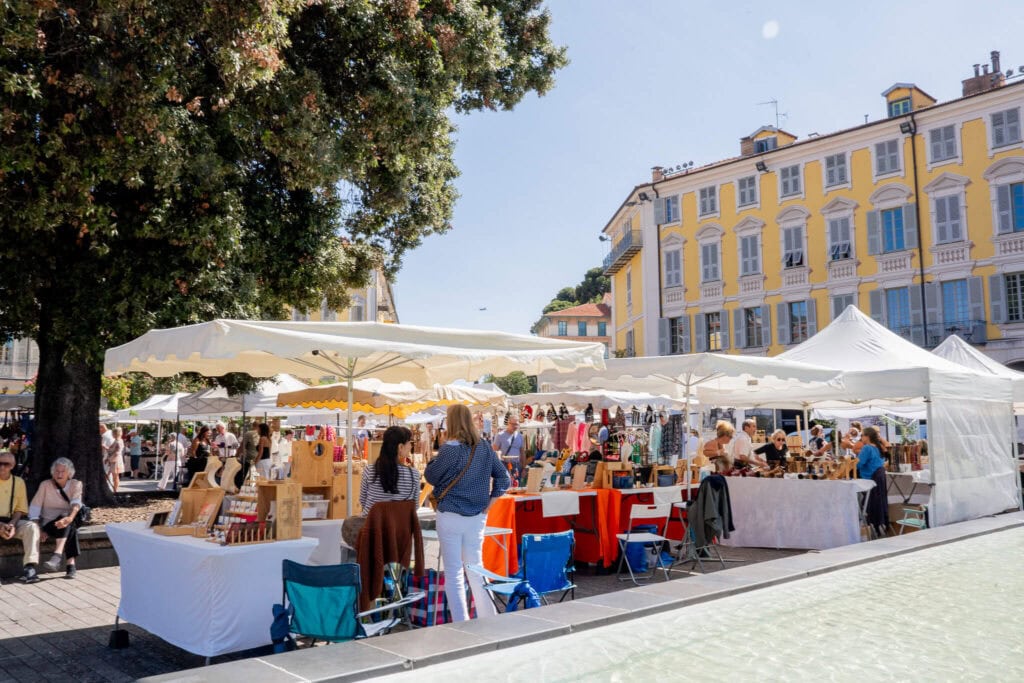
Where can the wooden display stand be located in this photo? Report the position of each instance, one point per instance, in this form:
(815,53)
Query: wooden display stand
(287,499)
(193,500)
(374,451)
(662,469)
(312,462)
(604,473)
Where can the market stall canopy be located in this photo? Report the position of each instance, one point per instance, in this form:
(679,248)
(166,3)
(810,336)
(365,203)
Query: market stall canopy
(217,401)
(400,399)
(421,355)
(599,399)
(156,407)
(955,349)
(17,401)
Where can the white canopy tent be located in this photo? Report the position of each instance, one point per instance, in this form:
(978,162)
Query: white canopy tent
(217,401)
(599,399)
(17,401)
(398,399)
(422,355)
(970,425)
(955,349)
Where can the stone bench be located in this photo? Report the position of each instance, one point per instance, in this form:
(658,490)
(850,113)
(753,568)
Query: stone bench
(92,540)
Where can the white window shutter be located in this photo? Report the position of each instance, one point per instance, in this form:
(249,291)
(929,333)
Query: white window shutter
(1013,125)
(663,341)
(782,322)
(997,298)
(916,315)
(1004,206)
(874,232)
(739,324)
(724,318)
(876,300)
(684,333)
(812,317)
(976,298)
(659,210)
(910,226)
(700,332)
(766,325)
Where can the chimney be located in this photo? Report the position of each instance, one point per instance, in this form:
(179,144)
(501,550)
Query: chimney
(984,69)
(657,174)
(995,62)
(746,146)
(977,70)
(983,80)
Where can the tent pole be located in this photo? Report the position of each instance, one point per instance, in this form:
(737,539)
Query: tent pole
(159,438)
(177,431)
(349,451)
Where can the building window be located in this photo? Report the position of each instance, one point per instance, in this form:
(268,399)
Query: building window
(839,238)
(942,143)
(630,345)
(666,210)
(841,303)
(677,336)
(713,328)
(897,310)
(1015,297)
(299,316)
(835,170)
(357,309)
(750,255)
(1010,205)
(1005,127)
(947,219)
(327,314)
(629,288)
(766,144)
(790,177)
(892,230)
(753,324)
(899,107)
(563,328)
(602,329)
(747,190)
(887,157)
(709,262)
(792,247)
(708,200)
(797,321)
(581,329)
(955,306)
(673,268)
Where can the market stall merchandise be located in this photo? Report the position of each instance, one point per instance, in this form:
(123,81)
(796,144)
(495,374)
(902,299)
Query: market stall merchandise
(202,597)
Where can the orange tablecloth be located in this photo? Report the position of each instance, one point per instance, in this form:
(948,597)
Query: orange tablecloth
(502,514)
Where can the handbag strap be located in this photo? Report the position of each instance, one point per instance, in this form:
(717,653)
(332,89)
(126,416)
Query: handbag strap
(61,491)
(472,452)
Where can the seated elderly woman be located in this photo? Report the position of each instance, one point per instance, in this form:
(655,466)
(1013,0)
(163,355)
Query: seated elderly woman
(716,451)
(54,508)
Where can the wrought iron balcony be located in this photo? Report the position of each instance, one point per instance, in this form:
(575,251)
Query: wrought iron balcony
(971,331)
(629,244)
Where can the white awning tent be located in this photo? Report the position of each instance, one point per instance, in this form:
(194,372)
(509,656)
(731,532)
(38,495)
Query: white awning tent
(350,351)
(156,407)
(955,349)
(397,399)
(970,414)
(599,399)
(217,401)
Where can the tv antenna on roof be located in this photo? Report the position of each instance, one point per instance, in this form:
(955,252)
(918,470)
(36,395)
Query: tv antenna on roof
(775,103)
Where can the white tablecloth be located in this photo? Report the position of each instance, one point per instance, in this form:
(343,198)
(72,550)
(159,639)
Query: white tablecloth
(200,596)
(327,532)
(794,513)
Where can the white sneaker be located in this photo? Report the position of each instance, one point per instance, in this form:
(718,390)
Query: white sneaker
(52,564)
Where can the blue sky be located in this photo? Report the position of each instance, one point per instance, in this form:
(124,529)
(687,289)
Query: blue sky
(660,82)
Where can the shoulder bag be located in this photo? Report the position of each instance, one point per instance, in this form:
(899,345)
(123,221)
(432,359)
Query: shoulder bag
(435,499)
(84,515)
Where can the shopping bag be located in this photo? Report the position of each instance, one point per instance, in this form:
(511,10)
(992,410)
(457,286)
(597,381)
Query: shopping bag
(433,609)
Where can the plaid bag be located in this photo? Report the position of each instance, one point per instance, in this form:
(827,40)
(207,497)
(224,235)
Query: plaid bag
(433,609)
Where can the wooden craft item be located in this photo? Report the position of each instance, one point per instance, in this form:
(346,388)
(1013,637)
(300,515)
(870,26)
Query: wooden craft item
(286,498)
(199,481)
(227,477)
(213,465)
(197,505)
(605,471)
(312,463)
(662,469)
(534,479)
(579,477)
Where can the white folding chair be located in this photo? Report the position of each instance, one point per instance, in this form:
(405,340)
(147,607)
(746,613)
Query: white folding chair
(637,513)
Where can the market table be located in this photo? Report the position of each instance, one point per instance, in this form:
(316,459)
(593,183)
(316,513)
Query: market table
(794,513)
(909,487)
(205,598)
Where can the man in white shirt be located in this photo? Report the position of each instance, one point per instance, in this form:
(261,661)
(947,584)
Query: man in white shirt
(106,439)
(225,441)
(743,446)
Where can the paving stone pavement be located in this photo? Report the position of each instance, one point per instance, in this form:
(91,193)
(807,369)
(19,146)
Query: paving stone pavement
(58,630)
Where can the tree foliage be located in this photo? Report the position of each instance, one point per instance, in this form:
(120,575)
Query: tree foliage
(591,290)
(514,383)
(163,163)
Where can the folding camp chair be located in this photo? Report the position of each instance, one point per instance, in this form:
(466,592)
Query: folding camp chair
(322,603)
(648,539)
(546,564)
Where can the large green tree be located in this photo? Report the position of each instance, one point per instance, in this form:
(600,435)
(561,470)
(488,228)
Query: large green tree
(166,162)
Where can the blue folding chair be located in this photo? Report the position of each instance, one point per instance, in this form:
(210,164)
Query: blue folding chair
(322,603)
(546,563)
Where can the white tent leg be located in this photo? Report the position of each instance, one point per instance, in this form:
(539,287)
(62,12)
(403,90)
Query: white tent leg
(349,451)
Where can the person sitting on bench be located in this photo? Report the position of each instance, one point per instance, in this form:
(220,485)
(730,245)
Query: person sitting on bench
(14,522)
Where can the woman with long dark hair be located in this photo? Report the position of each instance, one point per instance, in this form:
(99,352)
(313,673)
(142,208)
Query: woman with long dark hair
(199,452)
(871,466)
(387,479)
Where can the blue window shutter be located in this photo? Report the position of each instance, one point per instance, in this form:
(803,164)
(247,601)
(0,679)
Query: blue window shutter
(724,317)
(1004,209)
(997,298)
(766,325)
(659,210)
(812,317)
(916,315)
(700,333)
(976,298)
(876,300)
(663,343)
(910,226)
(874,232)
(684,332)
(782,322)
(740,327)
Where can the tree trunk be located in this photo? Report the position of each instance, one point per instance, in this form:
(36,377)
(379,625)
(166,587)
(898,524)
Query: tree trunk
(67,420)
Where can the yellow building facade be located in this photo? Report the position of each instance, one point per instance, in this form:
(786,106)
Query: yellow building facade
(373,303)
(917,219)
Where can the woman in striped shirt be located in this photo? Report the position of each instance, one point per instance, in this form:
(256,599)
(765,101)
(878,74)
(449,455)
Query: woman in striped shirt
(386,480)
